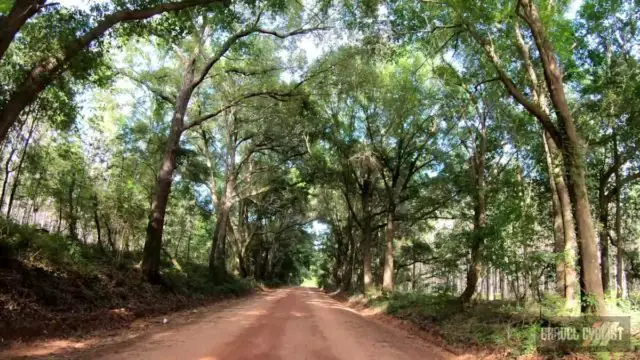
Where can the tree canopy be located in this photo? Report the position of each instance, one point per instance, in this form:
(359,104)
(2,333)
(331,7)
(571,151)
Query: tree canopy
(475,149)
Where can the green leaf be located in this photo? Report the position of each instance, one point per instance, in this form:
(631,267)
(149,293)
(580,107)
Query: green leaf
(5,6)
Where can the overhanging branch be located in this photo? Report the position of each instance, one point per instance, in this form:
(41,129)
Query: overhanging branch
(271,94)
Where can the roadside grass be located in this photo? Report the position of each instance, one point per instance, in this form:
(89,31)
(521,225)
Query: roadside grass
(505,327)
(52,285)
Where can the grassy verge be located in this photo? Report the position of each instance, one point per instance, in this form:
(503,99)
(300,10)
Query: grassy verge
(52,286)
(502,328)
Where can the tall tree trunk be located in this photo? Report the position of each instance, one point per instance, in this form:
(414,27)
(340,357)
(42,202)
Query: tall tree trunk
(387,280)
(60,202)
(34,199)
(340,252)
(558,227)
(162,188)
(242,266)
(493,283)
(348,272)
(620,282)
(570,253)
(155,227)
(565,244)
(367,276)
(110,235)
(96,221)
(487,280)
(243,219)
(347,282)
(7,172)
(620,275)
(73,220)
(574,157)
(265,264)
(16,180)
(603,217)
(565,137)
(217,257)
(188,250)
(479,215)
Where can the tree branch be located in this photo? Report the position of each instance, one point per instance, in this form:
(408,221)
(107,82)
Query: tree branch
(235,102)
(513,90)
(156,91)
(624,181)
(43,74)
(10,25)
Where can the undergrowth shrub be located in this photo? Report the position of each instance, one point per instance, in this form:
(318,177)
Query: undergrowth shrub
(60,254)
(500,324)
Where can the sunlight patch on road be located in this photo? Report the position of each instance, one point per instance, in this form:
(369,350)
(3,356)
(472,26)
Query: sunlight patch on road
(329,304)
(254,312)
(48,348)
(162,335)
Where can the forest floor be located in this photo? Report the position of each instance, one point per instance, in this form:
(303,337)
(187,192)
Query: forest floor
(290,323)
(487,330)
(51,286)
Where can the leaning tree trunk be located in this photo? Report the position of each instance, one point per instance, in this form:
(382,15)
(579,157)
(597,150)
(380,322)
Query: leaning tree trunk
(387,279)
(7,172)
(565,244)
(588,248)
(558,227)
(16,180)
(566,138)
(570,253)
(574,158)
(162,188)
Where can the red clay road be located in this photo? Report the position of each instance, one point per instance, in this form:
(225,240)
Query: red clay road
(288,324)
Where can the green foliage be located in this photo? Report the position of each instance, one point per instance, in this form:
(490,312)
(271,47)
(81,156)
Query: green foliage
(196,279)
(60,254)
(5,6)
(428,307)
(497,325)
(402,132)
(50,250)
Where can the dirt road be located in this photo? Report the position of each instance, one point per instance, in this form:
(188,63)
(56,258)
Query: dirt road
(294,323)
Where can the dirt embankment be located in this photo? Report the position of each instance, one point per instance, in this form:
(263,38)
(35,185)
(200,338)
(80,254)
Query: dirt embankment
(39,301)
